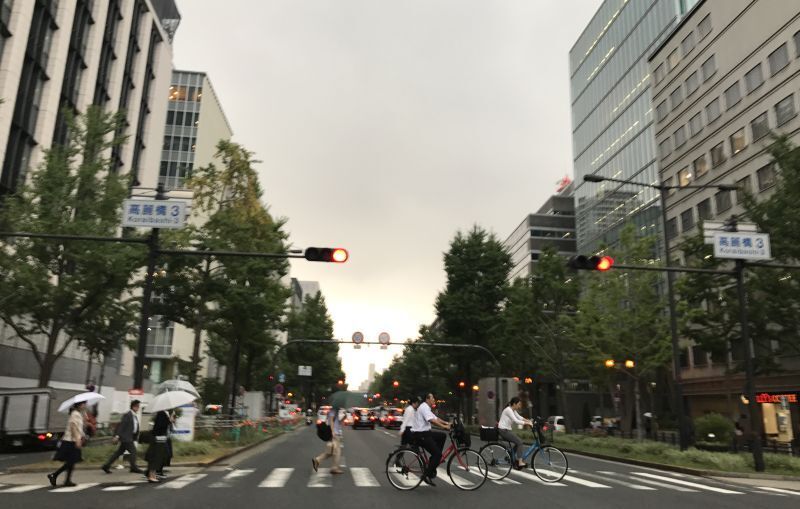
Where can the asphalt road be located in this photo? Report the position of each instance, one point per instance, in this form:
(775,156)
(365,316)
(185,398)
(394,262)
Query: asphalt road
(278,474)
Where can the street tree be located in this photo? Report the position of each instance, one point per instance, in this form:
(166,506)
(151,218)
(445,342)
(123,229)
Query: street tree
(52,288)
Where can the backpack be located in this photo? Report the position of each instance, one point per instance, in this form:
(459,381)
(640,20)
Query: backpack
(324,432)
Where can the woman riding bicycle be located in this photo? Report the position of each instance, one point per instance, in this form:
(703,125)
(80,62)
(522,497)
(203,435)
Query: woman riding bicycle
(507,419)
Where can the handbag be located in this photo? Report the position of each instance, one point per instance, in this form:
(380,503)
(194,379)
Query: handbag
(324,432)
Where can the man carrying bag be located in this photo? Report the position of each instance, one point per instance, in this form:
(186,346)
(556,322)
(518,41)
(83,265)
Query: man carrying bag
(127,434)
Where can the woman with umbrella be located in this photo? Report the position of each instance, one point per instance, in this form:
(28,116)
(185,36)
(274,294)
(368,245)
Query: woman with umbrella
(157,453)
(69,450)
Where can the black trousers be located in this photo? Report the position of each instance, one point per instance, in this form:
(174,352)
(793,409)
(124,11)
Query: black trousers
(433,442)
(124,446)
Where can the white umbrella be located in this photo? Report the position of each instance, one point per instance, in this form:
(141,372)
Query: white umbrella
(177,385)
(88,397)
(171,399)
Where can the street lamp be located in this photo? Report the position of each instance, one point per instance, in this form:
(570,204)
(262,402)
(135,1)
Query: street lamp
(673,320)
(629,365)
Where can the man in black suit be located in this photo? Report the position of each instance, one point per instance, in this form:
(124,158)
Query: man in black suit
(127,434)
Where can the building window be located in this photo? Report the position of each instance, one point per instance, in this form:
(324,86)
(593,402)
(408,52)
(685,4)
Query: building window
(709,68)
(684,177)
(692,83)
(738,142)
(784,110)
(668,184)
(704,28)
(680,136)
(766,177)
(659,74)
(754,78)
(661,111)
(700,166)
(743,186)
(732,96)
(676,97)
(687,220)
(760,126)
(672,228)
(778,59)
(723,201)
(687,45)
(673,59)
(695,125)
(704,210)
(718,154)
(664,148)
(713,110)
(797,43)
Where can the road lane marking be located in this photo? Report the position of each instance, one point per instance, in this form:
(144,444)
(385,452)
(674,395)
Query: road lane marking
(617,481)
(320,479)
(779,490)
(654,483)
(234,474)
(277,478)
(363,477)
(531,477)
(78,487)
(690,484)
(118,488)
(23,489)
(182,482)
(768,493)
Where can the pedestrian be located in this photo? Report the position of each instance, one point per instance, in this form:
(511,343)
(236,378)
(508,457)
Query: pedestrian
(69,448)
(127,435)
(333,448)
(168,450)
(409,414)
(157,451)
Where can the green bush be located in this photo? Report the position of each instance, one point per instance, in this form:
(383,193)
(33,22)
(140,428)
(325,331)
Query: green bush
(714,428)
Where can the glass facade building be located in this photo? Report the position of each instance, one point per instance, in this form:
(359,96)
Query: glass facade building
(612,118)
(180,135)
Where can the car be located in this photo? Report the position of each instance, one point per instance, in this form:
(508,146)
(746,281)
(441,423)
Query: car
(557,423)
(393,418)
(363,418)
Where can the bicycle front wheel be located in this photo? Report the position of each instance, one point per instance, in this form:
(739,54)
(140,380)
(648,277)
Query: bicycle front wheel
(498,461)
(404,469)
(549,464)
(467,469)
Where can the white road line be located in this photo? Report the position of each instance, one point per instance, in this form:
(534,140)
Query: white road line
(181,482)
(441,474)
(617,481)
(690,484)
(768,493)
(655,483)
(779,490)
(535,479)
(118,488)
(277,478)
(234,474)
(320,479)
(363,477)
(79,487)
(23,489)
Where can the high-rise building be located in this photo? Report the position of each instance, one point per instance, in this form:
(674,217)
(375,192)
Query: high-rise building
(60,56)
(612,119)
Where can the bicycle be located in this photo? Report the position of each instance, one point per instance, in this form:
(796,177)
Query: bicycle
(467,470)
(548,462)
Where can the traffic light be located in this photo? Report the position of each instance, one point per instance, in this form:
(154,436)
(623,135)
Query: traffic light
(326,254)
(581,262)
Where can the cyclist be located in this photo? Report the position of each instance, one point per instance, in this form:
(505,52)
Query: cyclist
(432,441)
(507,419)
(408,420)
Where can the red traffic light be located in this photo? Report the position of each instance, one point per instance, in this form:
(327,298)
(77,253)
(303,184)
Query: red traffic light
(605,263)
(581,262)
(326,254)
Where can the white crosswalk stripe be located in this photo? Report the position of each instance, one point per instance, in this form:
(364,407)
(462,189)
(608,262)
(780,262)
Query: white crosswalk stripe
(532,477)
(363,477)
(687,483)
(277,478)
(78,487)
(653,483)
(182,482)
(616,481)
(780,490)
(320,479)
(119,488)
(235,474)
(22,489)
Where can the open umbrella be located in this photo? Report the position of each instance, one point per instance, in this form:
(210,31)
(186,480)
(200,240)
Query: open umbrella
(88,397)
(177,385)
(170,399)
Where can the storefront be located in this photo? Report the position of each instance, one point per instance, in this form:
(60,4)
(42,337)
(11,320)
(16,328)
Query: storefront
(781,415)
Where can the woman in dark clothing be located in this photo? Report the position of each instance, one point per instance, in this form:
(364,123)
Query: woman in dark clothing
(69,449)
(157,451)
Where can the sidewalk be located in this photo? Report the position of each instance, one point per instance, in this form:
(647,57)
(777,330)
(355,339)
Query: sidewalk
(94,475)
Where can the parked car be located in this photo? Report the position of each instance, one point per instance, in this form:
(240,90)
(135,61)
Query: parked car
(393,418)
(557,423)
(363,418)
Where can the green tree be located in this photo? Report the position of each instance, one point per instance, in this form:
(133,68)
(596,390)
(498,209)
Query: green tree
(53,288)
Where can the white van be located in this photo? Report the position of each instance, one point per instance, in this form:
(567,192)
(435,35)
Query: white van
(557,423)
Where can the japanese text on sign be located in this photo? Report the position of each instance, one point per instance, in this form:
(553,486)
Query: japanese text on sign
(154,213)
(742,245)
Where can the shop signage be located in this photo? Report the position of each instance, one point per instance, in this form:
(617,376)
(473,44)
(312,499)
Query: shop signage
(775,398)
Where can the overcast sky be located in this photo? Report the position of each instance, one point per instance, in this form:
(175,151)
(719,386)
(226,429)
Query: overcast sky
(386,126)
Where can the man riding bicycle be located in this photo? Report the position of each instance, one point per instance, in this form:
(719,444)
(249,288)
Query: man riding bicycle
(507,419)
(431,441)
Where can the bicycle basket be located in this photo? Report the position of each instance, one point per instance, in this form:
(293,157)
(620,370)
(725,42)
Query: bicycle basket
(462,438)
(489,434)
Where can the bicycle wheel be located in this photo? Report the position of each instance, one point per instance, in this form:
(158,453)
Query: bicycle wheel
(549,464)
(404,469)
(467,469)
(498,461)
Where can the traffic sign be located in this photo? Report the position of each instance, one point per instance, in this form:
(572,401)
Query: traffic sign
(303,370)
(742,245)
(278,389)
(384,338)
(154,213)
(281,377)
(358,338)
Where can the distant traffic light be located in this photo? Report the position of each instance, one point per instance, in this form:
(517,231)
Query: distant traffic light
(581,262)
(326,254)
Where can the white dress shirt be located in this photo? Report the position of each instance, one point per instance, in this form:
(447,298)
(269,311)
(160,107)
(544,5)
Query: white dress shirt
(422,418)
(509,417)
(135,424)
(409,416)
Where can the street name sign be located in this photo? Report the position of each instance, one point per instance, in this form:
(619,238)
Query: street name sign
(154,213)
(303,370)
(742,245)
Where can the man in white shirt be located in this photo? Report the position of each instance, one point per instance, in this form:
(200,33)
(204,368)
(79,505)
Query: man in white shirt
(127,434)
(409,416)
(508,418)
(432,441)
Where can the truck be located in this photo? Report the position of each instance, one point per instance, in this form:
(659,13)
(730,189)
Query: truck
(30,417)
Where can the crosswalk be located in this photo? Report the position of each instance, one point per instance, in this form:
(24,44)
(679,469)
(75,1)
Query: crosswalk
(364,477)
